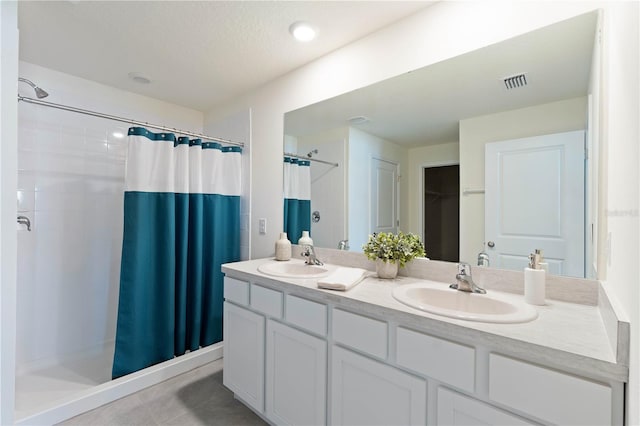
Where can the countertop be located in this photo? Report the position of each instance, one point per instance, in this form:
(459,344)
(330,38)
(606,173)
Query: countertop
(567,336)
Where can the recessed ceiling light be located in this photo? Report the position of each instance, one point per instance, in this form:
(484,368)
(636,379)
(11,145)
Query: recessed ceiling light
(139,78)
(302,31)
(118,135)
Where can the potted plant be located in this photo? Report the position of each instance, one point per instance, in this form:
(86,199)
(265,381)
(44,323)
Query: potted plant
(389,250)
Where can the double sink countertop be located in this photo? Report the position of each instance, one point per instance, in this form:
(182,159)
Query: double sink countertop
(580,338)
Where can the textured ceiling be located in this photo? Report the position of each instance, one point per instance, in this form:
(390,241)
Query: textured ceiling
(198,54)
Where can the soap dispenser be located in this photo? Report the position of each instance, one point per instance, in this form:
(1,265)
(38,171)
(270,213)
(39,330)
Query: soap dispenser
(305,240)
(534,281)
(543,265)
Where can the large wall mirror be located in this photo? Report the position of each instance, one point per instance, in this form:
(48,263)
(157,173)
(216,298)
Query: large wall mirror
(481,153)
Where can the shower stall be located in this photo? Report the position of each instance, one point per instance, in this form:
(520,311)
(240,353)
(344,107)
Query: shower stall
(71,176)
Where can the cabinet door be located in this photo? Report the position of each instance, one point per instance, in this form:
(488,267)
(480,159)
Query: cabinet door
(550,395)
(458,410)
(243,371)
(367,392)
(296,376)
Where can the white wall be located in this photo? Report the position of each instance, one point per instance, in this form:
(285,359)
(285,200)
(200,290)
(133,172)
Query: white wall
(475,133)
(364,147)
(621,93)
(70,184)
(442,31)
(290,144)
(328,185)
(8,167)
(237,128)
(425,156)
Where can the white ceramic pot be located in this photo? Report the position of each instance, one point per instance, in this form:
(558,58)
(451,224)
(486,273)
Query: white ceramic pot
(386,269)
(283,247)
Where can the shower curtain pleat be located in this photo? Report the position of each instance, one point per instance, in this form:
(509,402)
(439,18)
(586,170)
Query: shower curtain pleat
(225,217)
(195,264)
(297,197)
(181,222)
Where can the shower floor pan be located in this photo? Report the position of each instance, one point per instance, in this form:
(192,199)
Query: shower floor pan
(60,392)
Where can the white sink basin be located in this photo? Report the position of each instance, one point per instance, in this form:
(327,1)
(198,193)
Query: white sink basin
(436,298)
(292,269)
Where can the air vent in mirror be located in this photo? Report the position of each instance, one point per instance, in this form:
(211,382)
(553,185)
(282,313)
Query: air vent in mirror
(515,81)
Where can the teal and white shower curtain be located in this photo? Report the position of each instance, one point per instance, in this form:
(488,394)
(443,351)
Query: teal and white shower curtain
(297,197)
(181,222)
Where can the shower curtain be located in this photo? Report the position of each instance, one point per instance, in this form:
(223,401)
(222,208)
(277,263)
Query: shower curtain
(181,222)
(297,197)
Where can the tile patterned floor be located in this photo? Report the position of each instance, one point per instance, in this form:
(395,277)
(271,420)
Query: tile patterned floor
(193,398)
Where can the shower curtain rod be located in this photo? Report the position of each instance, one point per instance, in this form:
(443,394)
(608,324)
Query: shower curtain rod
(286,154)
(125,120)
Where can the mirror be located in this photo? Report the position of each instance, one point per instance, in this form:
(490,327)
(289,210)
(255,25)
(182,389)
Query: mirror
(386,136)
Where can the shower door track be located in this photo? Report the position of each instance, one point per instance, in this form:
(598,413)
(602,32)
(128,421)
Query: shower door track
(126,120)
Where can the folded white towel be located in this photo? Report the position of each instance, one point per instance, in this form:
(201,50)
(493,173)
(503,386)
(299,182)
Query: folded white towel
(342,279)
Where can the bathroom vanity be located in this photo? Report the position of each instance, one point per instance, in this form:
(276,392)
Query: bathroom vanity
(299,355)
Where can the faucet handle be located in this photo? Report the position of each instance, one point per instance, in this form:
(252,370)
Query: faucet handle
(23,220)
(464,269)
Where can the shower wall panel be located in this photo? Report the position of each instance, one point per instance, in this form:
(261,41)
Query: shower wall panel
(328,186)
(70,185)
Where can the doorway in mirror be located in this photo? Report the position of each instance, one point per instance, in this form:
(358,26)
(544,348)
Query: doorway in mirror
(384,196)
(442,212)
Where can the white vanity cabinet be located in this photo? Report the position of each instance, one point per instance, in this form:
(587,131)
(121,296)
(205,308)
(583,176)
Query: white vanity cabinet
(278,370)
(440,359)
(455,409)
(550,395)
(296,376)
(299,356)
(243,371)
(368,392)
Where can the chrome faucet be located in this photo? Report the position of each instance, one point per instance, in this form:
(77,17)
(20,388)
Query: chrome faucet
(343,245)
(310,254)
(465,282)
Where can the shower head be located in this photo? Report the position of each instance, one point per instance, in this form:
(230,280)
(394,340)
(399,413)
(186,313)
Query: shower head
(310,153)
(40,93)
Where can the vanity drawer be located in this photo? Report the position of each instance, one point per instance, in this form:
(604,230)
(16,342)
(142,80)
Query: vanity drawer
(266,300)
(236,291)
(548,394)
(445,361)
(359,332)
(311,316)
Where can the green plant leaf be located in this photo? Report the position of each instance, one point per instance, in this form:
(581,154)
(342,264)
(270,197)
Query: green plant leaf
(391,247)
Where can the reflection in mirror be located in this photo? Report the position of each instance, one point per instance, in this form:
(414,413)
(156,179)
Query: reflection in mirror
(412,157)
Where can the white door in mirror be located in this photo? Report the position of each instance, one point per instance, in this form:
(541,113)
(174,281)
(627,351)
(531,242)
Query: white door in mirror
(534,199)
(384,196)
